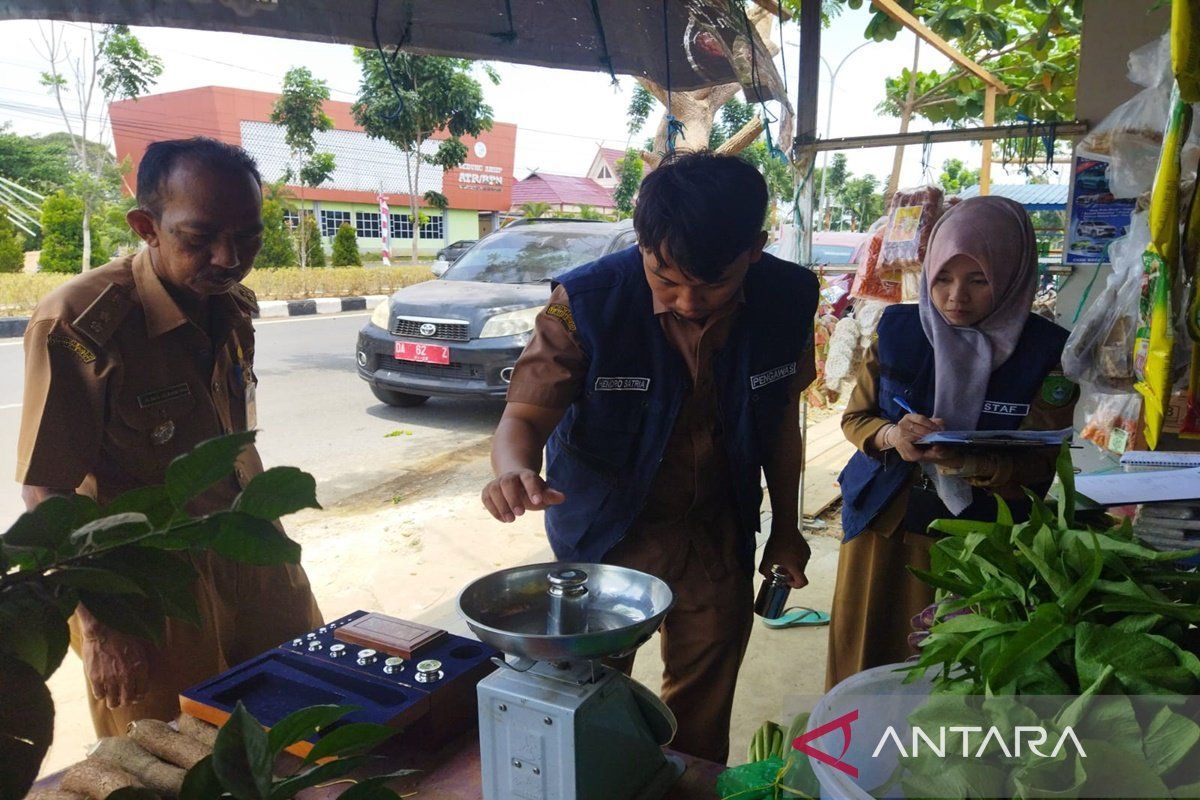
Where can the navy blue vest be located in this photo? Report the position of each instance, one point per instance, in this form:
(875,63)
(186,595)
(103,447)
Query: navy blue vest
(906,370)
(606,451)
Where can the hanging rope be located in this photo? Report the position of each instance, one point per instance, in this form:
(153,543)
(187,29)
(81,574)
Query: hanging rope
(388,62)
(605,58)
(509,35)
(926,155)
(767,116)
(674,126)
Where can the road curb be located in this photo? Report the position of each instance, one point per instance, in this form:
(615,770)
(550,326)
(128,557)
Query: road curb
(11,327)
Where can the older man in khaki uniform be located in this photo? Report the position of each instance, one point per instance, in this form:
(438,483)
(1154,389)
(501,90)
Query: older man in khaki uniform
(133,363)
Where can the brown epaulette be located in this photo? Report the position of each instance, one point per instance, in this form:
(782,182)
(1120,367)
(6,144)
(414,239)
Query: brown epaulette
(245,298)
(101,318)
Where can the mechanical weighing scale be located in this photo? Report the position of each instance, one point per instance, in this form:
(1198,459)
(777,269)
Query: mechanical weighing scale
(554,722)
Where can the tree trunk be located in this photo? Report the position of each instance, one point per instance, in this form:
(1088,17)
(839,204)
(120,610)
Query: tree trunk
(905,116)
(303,227)
(87,236)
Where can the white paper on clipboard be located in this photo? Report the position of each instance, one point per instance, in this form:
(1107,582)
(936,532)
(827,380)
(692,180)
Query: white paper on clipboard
(1128,488)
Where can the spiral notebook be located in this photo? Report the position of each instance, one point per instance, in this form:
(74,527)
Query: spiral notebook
(1150,458)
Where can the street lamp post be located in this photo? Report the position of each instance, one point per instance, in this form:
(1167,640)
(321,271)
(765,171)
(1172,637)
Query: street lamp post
(833,73)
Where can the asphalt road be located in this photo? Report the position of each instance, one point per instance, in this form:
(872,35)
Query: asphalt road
(314,412)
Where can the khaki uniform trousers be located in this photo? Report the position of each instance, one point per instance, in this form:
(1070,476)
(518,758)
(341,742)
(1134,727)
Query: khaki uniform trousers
(245,611)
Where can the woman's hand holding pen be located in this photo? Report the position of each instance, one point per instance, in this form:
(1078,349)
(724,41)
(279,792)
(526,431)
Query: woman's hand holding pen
(904,435)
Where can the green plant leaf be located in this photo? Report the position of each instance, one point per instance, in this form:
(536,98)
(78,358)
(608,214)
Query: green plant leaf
(1170,740)
(947,582)
(1065,490)
(960,527)
(1072,599)
(151,501)
(240,758)
(91,579)
(208,462)
(983,636)
(251,540)
(1058,583)
(967,623)
(33,628)
(47,528)
(110,531)
(303,723)
(1143,663)
(278,492)
(354,738)
(201,782)
(26,726)
(314,776)
(1046,630)
(131,614)
(167,576)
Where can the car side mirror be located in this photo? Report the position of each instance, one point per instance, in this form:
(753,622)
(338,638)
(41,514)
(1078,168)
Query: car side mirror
(439,268)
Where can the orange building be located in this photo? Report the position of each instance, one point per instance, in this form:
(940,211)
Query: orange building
(478,191)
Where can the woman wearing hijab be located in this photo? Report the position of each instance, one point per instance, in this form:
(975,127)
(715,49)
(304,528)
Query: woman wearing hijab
(969,356)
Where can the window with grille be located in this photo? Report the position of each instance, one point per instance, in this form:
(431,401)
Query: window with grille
(434,229)
(332,220)
(366,224)
(401,227)
(291,218)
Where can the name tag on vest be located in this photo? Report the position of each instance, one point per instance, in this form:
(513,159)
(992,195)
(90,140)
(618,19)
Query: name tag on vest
(770,376)
(1006,409)
(622,384)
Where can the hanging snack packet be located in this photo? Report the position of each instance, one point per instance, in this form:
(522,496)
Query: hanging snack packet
(1185,48)
(1111,420)
(869,284)
(1155,335)
(911,215)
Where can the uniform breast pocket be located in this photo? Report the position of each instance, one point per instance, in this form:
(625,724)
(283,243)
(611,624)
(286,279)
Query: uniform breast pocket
(606,434)
(891,388)
(158,424)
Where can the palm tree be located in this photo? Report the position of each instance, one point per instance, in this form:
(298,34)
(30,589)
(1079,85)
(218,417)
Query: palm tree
(535,210)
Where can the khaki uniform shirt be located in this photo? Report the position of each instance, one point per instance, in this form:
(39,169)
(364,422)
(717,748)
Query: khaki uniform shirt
(119,381)
(1002,473)
(691,490)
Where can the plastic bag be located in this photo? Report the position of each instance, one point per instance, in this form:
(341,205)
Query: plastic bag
(1099,351)
(1111,420)
(869,284)
(911,215)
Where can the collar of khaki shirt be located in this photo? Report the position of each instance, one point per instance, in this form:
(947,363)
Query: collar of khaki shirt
(163,314)
(739,300)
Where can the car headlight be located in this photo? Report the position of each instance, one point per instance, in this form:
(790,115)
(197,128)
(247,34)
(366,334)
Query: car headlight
(510,323)
(381,316)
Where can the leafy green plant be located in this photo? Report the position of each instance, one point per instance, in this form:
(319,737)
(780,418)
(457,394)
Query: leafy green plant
(125,562)
(1058,606)
(309,236)
(62,233)
(277,247)
(345,247)
(12,245)
(243,757)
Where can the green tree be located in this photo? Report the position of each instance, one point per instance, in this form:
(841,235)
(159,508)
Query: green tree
(277,247)
(535,210)
(629,178)
(955,176)
(405,98)
(62,234)
(40,163)
(589,213)
(300,110)
(1031,45)
(309,237)
(12,245)
(862,198)
(108,64)
(345,247)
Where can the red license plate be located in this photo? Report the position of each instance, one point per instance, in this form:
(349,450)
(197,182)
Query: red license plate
(424,353)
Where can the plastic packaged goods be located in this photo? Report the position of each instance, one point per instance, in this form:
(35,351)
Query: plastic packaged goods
(1099,351)
(1111,420)
(1185,48)
(1155,336)
(911,215)
(869,284)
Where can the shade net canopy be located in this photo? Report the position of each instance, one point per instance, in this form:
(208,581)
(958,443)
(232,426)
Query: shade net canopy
(707,42)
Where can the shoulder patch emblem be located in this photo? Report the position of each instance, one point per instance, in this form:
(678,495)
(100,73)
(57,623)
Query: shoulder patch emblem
(74,345)
(245,296)
(562,314)
(1057,390)
(101,318)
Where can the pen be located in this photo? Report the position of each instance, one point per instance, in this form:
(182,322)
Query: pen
(901,402)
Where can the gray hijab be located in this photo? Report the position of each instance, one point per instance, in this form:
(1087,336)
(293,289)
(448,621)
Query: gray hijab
(997,234)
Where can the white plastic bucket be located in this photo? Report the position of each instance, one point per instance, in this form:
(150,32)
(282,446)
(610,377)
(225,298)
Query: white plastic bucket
(882,698)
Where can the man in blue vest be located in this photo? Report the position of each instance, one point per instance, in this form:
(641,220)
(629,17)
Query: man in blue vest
(663,380)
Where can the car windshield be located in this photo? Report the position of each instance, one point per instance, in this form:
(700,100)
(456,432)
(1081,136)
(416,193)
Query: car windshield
(527,255)
(831,254)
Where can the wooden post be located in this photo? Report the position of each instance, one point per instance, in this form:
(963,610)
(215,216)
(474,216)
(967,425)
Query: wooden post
(989,119)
